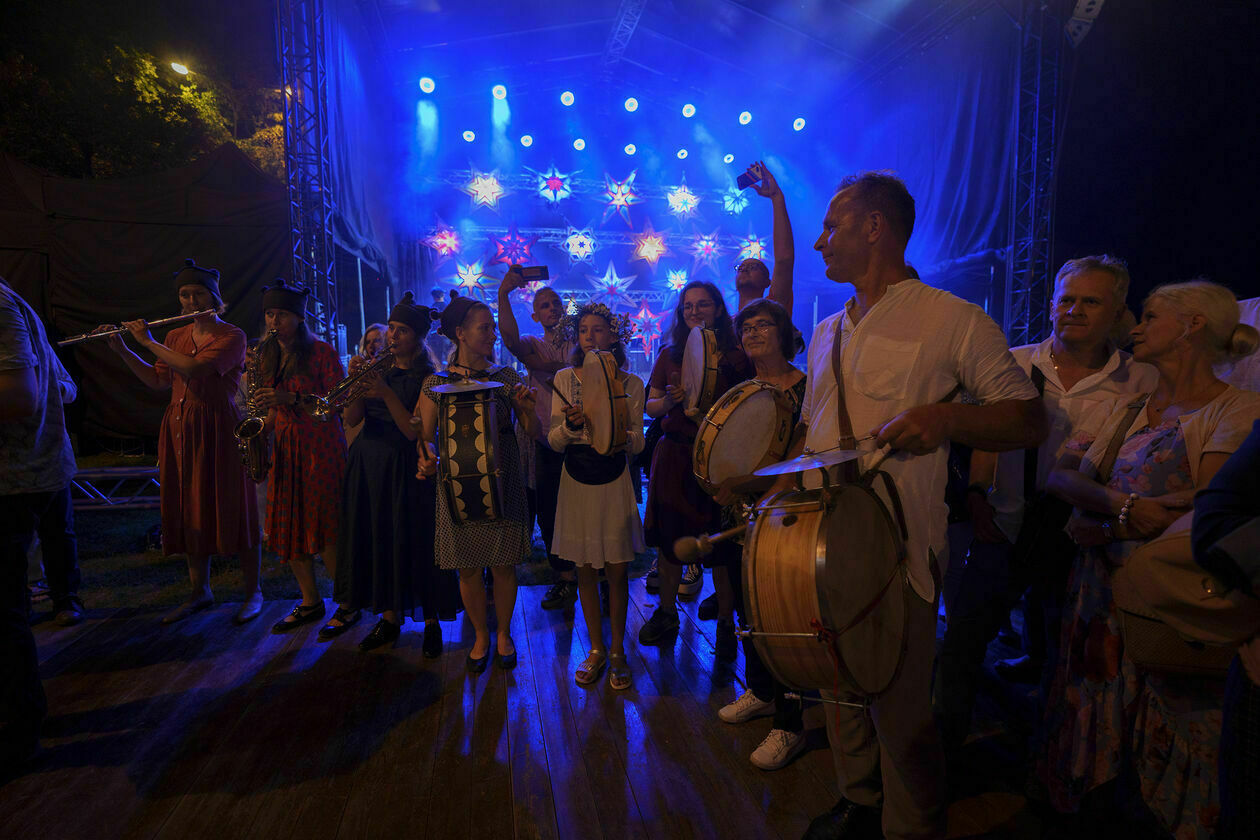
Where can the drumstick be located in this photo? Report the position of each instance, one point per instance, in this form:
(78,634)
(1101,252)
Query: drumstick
(551,383)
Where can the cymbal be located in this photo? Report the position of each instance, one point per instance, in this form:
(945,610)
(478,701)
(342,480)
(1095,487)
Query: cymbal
(466,386)
(811,461)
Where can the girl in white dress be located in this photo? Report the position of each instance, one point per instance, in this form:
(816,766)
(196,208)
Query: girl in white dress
(597,519)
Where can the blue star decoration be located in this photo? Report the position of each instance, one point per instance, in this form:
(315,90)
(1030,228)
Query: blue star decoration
(484,189)
(553,185)
(611,287)
(752,247)
(579,245)
(682,201)
(734,201)
(469,278)
(618,196)
(705,249)
(513,248)
(677,279)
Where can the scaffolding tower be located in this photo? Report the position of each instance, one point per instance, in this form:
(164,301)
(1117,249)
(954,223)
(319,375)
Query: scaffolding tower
(1029,270)
(308,169)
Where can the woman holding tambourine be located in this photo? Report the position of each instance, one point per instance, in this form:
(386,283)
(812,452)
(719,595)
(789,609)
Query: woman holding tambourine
(677,505)
(500,539)
(597,518)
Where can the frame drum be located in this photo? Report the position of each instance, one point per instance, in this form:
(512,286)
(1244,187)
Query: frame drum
(604,402)
(700,370)
(749,427)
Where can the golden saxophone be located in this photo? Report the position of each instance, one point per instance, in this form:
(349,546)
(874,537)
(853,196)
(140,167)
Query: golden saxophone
(251,434)
(349,389)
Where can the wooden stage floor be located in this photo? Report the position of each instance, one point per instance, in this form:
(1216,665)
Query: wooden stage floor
(205,729)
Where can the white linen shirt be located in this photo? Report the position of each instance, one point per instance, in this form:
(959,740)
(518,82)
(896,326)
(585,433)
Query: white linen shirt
(1076,413)
(912,348)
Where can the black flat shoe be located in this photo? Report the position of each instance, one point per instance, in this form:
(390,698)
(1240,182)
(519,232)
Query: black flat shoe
(348,619)
(507,663)
(432,641)
(477,666)
(300,615)
(384,633)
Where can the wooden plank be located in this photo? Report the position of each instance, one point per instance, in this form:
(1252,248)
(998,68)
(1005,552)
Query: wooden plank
(51,639)
(532,798)
(587,766)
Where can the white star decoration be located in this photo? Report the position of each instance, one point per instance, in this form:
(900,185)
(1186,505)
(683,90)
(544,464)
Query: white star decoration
(611,287)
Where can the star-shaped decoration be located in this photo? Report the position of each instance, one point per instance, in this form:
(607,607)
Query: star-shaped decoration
(445,242)
(705,249)
(513,248)
(649,328)
(619,195)
(580,245)
(525,294)
(649,246)
(469,278)
(553,185)
(484,189)
(734,201)
(611,287)
(682,201)
(677,279)
(752,247)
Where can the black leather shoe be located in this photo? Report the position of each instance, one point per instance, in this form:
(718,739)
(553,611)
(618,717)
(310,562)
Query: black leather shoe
(507,663)
(432,640)
(300,615)
(846,821)
(384,633)
(348,619)
(477,666)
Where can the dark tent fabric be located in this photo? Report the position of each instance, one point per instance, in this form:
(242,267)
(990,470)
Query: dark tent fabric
(91,252)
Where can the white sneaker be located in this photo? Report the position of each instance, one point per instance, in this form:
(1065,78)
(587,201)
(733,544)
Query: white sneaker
(779,747)
(745,708)
(692,580)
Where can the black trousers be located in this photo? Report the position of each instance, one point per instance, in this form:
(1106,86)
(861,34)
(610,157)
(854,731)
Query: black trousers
(23,704)
(1240,756)
(548,467)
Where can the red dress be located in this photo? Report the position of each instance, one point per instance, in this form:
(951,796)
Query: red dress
(207,501)
(308,464)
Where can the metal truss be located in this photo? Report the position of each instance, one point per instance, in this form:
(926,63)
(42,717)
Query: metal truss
(116,488)
(624,24)
(1029,272)
(307,164)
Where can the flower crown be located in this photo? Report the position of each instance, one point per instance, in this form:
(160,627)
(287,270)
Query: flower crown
(621,323)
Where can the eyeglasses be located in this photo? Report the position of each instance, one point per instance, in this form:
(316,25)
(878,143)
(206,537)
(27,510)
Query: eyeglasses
(749,329)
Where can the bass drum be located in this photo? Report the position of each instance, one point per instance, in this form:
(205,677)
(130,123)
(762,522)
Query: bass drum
(828,560)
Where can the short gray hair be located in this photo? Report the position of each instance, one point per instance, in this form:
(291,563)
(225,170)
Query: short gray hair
(1116,267)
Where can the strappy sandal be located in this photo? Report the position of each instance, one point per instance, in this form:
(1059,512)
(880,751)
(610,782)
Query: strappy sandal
(619,678)
(588,672)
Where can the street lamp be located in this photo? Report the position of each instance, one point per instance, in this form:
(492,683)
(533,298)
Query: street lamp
(179,68)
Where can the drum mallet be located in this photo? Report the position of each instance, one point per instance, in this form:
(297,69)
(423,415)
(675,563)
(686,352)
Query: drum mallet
(689,550)
(792,695)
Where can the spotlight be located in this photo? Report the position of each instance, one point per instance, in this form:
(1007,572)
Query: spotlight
(527,140)
(689,110)
(798,123)
(579,144)
(427,85)
(632,104)
(179,68)
(630,149)
(745,118)
(566,98)
(682,153)
(469,136)
(498,92)
(728,159)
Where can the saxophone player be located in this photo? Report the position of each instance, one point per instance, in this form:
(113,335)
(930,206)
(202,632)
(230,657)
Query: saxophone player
(206,499)
(308,460)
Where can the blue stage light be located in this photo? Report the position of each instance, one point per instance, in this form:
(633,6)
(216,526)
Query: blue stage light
(566,98)
(498,92)
(427,85)
(579,144)
(630,149)
(682,153)
(632,104)
(728,159)
(527,140)
(469,136)
(745,118)
(689,110)
(798,123)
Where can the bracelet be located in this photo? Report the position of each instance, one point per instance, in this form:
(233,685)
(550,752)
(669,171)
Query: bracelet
(1126,507)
